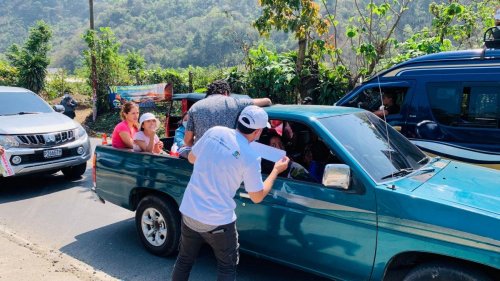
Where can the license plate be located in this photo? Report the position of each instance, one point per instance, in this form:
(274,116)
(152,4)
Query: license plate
(52,153)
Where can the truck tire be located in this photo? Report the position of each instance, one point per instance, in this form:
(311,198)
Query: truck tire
(75,172)
(444,272)
(158,225)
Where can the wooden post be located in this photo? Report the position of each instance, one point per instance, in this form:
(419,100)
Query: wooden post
(191,82)
(93,65)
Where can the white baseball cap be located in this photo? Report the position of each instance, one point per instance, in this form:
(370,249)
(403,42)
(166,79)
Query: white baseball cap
(148,116)
(253,117)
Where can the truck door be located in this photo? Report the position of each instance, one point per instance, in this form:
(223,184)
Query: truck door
(303,223)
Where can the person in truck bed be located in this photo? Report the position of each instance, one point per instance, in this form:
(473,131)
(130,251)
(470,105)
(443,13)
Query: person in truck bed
(218,108)
(123,134)
(146,139)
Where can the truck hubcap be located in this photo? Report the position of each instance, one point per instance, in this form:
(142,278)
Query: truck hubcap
(154,227)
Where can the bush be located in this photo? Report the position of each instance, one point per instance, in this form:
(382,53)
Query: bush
(8,74)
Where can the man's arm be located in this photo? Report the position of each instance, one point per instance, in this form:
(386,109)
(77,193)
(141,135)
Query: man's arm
(188,138)
(191,157)
(279,167)
(262,102)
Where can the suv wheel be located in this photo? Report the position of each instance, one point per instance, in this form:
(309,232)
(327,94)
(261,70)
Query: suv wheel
(158,225)
(75,172)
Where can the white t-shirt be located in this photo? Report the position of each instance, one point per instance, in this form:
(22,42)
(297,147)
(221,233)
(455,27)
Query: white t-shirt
(142,137)
(224,159)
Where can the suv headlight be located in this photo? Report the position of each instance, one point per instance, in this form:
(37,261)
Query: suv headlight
(8,141)
(80,132)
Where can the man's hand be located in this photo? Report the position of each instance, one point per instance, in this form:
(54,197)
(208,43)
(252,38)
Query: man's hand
(281,165)
(2,151)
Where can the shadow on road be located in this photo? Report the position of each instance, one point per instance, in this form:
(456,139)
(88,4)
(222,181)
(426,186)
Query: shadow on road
(24,187)
(116,250)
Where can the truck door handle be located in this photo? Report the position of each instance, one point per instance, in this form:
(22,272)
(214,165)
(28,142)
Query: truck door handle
(412,116)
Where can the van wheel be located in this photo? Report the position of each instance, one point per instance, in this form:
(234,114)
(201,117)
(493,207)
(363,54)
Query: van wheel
(75,172)
(444,272)
(158,225)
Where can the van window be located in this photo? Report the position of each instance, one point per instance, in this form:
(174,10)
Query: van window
(371,98)
(465,105)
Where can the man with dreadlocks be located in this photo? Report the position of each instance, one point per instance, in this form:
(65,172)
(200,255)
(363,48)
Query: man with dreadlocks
(218,108)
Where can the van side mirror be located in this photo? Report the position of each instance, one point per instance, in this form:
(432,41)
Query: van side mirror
(59,108)
(337,175)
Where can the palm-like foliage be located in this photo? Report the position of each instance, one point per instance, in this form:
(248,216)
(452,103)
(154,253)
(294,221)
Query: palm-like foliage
(31,59)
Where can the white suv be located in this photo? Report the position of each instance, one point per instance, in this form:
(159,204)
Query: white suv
(38,138)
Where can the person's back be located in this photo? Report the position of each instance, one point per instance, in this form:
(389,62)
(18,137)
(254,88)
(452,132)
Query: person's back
(215,110)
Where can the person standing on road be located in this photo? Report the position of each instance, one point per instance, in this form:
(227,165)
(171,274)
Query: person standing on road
(218,108)
(222,159)
(69,105)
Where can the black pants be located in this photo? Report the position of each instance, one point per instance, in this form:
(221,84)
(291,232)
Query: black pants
(70,114)
(224,243)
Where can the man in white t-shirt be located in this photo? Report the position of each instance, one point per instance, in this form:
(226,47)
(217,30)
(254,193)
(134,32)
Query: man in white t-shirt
(222,159)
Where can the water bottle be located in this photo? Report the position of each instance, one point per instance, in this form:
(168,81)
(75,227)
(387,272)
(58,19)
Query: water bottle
(174,150)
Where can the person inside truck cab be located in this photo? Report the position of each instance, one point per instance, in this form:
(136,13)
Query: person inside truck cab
(123,134)
(389,105)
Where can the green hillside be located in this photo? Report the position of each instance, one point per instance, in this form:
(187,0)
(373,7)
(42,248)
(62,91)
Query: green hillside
(168,33)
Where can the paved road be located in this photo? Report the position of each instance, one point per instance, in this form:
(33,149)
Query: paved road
(59,214)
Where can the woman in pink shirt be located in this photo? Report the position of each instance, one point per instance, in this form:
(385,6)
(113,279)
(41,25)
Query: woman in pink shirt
(123,134)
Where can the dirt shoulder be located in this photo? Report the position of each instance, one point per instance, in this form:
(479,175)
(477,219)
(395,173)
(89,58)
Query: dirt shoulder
(22,260)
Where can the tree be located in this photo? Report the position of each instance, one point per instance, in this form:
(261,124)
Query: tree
(301,17)
(368,36)
(111,67)
(135,63)
(31,59)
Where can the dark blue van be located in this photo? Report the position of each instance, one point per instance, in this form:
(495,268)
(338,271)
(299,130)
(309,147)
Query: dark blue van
(447,103)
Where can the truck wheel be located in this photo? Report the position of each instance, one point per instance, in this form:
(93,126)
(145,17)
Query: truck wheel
(158,225)
(444,272)
(75,172)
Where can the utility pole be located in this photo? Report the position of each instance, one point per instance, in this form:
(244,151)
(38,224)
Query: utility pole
(93,63)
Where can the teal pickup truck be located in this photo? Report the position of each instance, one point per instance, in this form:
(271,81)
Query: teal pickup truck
(359,202)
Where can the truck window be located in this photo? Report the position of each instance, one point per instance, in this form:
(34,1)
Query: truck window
(465,105)
(307,152)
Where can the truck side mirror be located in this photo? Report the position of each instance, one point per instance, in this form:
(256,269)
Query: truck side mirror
(337,175)
(59,108)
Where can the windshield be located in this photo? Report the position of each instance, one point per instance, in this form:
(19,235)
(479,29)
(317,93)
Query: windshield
(364,136)
(22,102)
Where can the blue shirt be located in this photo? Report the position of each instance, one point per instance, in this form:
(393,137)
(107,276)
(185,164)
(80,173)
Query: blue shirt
(179,136)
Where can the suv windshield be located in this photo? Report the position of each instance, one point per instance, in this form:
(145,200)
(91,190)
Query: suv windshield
(22,103)
(365,136)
